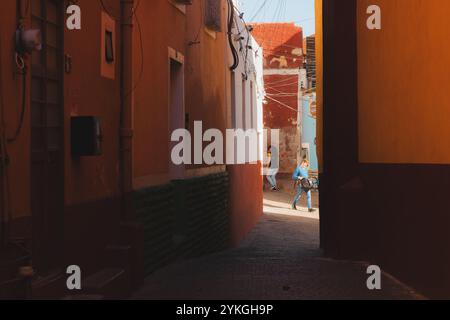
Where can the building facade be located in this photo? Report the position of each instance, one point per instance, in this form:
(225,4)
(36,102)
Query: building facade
(246,95)
(383,131)
(283,61)
(309,131)
(87,171)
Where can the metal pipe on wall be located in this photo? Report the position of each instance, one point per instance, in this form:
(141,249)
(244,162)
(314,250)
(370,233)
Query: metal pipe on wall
(126,127)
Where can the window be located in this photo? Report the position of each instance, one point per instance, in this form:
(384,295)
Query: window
(180,5)
(109,47)
(213,15)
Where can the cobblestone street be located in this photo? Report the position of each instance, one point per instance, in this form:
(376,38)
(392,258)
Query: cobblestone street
(280,259)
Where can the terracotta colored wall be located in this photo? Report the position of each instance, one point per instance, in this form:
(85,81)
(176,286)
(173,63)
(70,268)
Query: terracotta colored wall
(91,184)
(163,26)
(206,72)
(282,114)
(282,44)
(278,115)
(403,69)
(246,200)
(280,40)
(87,93)
(19,168)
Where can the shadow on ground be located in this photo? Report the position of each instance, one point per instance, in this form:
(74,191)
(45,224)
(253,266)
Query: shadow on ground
(279,260)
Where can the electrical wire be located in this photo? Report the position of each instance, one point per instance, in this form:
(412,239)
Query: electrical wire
(277,17)
(196,41)
(285,84)
(19,127)
(290,78)
(230,36)
(141,45)
(259,10)
(241,46)
(282,95)
(282,104)
(21,66)
(247,29)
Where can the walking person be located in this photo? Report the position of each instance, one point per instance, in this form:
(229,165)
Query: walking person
(301,178)
(273,168)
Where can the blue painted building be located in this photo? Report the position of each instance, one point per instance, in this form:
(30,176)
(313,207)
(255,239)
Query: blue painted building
(309,132)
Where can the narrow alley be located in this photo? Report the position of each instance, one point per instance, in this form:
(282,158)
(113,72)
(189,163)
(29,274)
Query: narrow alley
(156,149)
(279,260)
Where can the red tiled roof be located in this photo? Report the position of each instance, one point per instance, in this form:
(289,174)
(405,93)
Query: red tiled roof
(281,43)
(278,36)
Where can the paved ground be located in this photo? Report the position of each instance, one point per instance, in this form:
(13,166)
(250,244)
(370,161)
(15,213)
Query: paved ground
(280,259)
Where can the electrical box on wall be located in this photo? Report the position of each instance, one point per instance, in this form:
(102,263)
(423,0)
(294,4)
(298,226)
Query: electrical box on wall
(86,136)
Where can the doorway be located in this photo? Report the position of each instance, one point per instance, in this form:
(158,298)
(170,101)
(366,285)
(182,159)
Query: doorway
(47,131)
(177,117)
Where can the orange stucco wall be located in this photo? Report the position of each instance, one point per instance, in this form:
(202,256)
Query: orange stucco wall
(207,99)
(150,105)
(319,85)
(19,169)
(165,26)
(88,93)
(206,71)
(403,69)
(90,181)
(246,200)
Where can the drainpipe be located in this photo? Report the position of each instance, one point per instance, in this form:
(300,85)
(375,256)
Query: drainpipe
(126,126)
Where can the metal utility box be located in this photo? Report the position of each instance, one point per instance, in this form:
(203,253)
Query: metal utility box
(86,136)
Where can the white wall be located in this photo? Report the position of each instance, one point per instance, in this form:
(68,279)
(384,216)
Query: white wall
(249,114)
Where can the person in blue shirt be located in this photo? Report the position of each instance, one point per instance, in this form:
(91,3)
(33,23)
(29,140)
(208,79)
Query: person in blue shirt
(273,168)
(300,173)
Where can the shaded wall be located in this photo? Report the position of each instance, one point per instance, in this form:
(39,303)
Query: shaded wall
(90,184)
(19,167)
(92,194)
(404,135)
(382,136)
